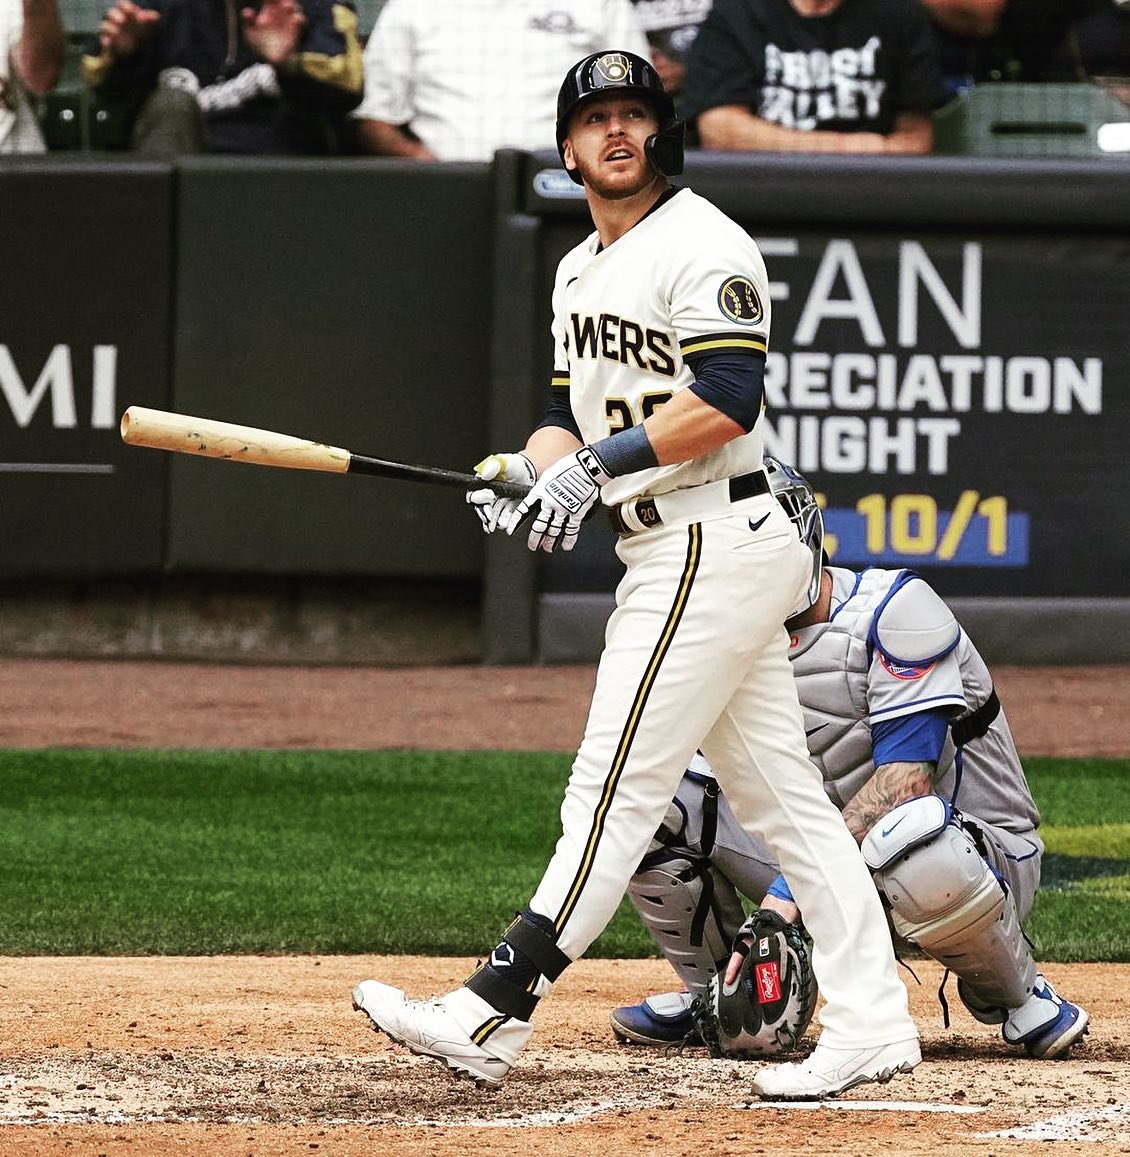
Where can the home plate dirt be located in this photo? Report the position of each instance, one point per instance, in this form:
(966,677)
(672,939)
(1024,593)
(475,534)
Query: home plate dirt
(265,1055)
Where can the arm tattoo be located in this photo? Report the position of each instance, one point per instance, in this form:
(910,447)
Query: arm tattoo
(892,784)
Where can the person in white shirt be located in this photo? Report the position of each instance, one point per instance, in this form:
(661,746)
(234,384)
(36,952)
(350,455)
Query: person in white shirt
(456,80)
(671,27)
(31,58)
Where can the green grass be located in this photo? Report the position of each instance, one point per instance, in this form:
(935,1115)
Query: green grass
(1083,909)
(195,852)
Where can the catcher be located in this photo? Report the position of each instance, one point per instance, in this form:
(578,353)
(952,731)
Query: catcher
(910,737)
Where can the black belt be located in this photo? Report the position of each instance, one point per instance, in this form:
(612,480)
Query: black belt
(976,723)
(741,486)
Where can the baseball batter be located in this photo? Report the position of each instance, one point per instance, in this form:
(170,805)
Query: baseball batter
(661,319)
(914,748)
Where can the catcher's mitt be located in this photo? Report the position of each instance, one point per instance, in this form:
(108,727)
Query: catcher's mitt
(768,1007)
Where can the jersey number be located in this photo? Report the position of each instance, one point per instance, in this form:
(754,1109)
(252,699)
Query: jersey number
(620,415)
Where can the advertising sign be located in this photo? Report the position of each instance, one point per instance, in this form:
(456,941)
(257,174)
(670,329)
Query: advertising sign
(957,399)
(84,331)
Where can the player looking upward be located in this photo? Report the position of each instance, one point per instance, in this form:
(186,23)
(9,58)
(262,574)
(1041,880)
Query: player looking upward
(660,325)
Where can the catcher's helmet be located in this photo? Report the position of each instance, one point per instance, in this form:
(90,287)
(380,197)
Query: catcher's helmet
(616,71)
(799,501)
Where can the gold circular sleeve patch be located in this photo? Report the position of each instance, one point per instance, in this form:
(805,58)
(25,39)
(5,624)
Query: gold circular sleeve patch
(739,301)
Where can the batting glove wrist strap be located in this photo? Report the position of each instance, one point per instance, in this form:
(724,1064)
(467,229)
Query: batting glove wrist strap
(593,464)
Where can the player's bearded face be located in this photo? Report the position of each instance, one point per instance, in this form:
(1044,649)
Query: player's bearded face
(606,145)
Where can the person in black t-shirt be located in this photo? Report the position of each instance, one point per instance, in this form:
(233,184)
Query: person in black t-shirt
(831,76)
(1090,42)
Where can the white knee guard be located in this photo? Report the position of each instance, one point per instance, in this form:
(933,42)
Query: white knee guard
(945,899)
(691,910)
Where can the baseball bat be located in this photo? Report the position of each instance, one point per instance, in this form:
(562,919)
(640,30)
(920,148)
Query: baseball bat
(184,434)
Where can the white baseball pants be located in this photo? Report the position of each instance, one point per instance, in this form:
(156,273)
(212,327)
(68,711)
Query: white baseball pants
(696,656)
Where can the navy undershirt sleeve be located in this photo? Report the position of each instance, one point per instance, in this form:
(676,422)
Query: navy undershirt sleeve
(560,413)
(732,383)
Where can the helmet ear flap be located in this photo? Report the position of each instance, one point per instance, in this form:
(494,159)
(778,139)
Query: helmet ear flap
(665,148)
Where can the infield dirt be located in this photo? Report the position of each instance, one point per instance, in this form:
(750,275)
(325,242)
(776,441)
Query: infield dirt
(264,1055)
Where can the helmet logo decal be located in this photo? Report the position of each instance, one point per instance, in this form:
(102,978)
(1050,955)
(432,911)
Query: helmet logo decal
(611,69)
(738,300)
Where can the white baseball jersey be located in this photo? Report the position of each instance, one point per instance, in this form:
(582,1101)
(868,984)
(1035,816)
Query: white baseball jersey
(684,280)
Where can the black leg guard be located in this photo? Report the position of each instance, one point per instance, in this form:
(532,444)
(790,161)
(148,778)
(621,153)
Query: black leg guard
(527,951)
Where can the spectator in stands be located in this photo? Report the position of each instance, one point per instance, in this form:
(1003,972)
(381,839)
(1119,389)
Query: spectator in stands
(1033,40)
(455,80)
(1093,44)
(970,41)
(278,78)
(670,27)
(830,76)
(31,58)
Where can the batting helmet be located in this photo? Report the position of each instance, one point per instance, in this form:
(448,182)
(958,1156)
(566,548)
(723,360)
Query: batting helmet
(609,72)
(799,501)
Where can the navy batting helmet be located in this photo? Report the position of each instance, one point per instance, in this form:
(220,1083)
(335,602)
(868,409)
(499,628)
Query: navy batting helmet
(614,71)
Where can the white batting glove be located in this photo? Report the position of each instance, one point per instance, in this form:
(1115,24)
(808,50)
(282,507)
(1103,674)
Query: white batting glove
(563,496)
(493,508)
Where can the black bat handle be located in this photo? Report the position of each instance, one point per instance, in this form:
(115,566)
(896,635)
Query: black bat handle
(360,464)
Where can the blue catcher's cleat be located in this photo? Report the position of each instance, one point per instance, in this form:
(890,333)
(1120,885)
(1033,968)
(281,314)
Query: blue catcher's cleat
(660,1020)
(1046,1024)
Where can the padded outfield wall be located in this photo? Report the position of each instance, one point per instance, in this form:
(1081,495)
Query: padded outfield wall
(949,364)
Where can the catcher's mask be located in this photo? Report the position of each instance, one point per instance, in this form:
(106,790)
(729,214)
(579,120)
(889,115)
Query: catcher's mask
(613,71)
(799,502)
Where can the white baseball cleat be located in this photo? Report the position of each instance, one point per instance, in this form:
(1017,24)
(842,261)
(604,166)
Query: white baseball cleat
(444,1029)
(827,1072)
